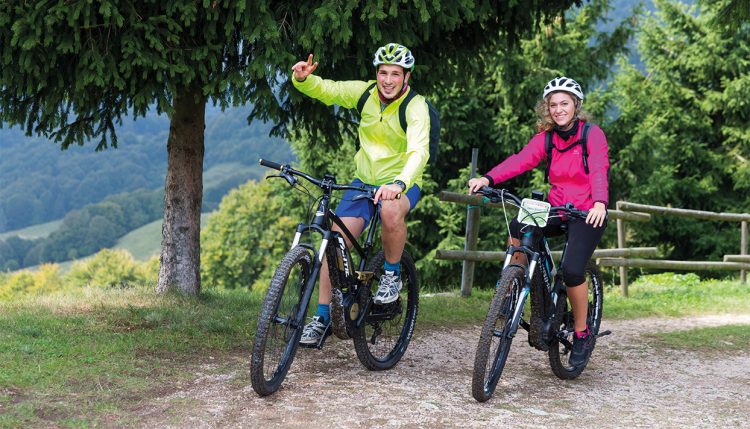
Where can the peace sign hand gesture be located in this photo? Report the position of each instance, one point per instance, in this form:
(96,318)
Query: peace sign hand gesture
(304,68)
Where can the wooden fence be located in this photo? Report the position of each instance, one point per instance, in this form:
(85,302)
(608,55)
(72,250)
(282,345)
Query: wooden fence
(621,257)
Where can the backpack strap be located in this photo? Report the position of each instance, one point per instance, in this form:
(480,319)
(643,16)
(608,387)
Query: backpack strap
(402,108)
(548,147)
(363,98)
(584,147)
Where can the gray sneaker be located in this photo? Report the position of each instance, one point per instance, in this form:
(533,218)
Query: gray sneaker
(314,331)
(388,288)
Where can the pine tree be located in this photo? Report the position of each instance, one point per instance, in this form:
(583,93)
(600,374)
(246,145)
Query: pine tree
(72,70)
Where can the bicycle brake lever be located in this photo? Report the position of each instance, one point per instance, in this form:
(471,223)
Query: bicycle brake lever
(292,180)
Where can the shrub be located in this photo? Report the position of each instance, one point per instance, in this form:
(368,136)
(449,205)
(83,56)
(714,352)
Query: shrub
(108,268)
(247,237)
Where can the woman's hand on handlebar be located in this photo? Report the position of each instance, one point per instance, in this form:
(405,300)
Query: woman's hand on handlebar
(597,214)
(387,192)
(477,183)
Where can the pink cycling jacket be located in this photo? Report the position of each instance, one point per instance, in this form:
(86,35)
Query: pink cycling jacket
(570,183)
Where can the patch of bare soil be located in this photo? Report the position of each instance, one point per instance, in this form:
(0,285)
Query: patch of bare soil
(631,381)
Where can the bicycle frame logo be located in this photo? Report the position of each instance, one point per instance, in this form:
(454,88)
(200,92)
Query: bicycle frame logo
(343,257)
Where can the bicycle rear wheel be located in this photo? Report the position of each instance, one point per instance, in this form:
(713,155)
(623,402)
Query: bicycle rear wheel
(564,327)
(279,329)
(496,338)
(385,334)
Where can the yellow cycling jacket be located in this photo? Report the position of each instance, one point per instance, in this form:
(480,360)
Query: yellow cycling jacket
(386,152)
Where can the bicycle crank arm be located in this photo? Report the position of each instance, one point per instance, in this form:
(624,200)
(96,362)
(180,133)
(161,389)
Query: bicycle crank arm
(601,334)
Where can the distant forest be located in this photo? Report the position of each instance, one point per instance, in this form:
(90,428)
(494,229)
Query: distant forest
(41,183)
(102,195)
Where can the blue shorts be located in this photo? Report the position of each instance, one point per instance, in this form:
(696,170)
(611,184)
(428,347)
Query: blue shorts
(364,208)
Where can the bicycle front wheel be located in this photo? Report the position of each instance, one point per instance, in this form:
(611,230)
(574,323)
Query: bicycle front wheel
(564,327)
(497,335)
(279,327)
(385,334)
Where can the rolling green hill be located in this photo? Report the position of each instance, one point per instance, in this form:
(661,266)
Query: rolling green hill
(41,183)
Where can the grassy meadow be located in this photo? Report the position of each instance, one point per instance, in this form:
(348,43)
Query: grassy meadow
(85,357)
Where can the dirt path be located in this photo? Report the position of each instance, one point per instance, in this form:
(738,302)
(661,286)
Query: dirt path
(630,382)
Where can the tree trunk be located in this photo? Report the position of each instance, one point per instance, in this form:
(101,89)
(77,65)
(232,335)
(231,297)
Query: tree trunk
(183,195)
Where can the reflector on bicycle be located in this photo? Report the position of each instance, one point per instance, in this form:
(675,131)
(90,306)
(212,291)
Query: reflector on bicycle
(534,212)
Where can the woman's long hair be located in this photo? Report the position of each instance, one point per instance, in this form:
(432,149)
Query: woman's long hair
(544,120)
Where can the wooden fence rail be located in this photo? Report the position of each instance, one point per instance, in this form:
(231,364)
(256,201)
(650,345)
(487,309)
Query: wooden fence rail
(674,265)
(484,256)
(605,257)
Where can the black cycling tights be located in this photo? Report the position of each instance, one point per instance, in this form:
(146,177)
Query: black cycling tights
(582,241)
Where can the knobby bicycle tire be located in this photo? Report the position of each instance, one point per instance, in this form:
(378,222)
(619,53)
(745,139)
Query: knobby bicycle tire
(279,329)
(491,355)
(559,352)
(385,334)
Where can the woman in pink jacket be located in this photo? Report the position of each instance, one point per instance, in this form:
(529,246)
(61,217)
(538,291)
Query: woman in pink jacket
(575,178)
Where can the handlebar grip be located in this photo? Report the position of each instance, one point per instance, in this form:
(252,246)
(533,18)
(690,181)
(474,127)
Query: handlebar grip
(270,164)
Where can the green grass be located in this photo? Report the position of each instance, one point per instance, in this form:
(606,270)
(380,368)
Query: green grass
(717,339)
(82,358)
(143,242)
(674,295)
(35,231)
(88,358)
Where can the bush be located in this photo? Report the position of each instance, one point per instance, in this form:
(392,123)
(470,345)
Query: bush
(108,268)
(247,237)
(45,280)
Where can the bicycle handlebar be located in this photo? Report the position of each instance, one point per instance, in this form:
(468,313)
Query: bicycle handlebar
(287,170)
(498,195)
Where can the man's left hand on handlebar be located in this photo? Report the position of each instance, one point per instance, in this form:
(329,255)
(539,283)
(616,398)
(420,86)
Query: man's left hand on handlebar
(597,214)
(387,192)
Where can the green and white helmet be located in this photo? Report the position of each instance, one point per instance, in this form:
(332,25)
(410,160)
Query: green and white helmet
(393,53)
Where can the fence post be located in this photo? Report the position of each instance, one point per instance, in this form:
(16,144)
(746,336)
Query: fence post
(621,245)
(472,232)
(743,248)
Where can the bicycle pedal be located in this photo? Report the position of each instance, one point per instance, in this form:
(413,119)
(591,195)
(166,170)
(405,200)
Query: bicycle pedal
(602,334)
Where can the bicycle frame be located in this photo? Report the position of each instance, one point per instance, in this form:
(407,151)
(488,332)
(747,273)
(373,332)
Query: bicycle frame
(321,225)
(552,281)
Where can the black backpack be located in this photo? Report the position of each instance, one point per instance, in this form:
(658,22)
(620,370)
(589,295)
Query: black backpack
(581,141)
(434,118)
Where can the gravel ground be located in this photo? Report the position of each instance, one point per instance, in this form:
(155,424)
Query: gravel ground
(631,381)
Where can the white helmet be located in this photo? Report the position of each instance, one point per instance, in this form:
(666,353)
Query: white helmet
(564,84)
(395,54)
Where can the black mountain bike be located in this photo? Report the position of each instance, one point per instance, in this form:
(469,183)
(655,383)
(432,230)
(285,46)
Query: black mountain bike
(381,333)
(550,324)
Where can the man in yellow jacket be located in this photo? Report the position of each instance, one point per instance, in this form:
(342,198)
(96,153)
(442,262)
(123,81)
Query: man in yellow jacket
(389,157)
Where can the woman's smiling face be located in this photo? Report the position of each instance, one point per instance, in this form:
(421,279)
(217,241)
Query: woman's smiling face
(562,108)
